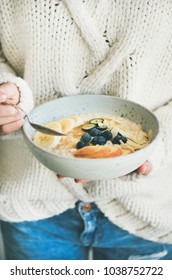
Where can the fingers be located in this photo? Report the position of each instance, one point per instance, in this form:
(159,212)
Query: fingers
(7,110)
(8,120)
(9,114)
(10,92)
(60,176)
(10,127)
(76,180)
(80,181)
(3,97)
(145,168)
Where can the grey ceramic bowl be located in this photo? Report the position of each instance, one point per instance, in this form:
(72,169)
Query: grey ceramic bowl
(91,169)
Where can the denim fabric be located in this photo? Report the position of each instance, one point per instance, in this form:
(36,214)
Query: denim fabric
(70,235)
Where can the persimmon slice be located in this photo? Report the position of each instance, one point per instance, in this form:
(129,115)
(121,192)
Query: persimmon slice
(98,152)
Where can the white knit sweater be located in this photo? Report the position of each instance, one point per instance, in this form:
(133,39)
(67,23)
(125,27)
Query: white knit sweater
(67,47)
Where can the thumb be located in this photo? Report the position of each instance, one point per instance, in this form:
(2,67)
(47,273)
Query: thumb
(145,168)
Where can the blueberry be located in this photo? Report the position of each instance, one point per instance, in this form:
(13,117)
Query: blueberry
(124,139)
(107,134)
(86,137)
(81,145)
(98,140)
(115,140)
(119,137)
(94,132)
(94,141)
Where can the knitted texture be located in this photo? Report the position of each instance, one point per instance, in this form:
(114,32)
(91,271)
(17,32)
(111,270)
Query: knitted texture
(58,48)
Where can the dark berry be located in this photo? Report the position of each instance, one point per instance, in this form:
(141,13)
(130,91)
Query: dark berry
(115,141)
(98,140)
(107,134)
(118,137)
(94,132)
(80,145)
(124,139)
(86,137)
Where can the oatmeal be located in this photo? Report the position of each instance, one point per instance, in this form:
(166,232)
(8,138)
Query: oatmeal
(94,136)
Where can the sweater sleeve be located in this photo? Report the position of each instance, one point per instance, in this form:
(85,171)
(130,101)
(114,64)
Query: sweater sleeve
(7,74)
(161,157)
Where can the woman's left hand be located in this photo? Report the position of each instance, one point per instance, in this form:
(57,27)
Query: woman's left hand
(144,169)
(76,180)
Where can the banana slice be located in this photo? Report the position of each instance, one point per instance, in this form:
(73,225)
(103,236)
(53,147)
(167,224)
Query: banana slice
(67,124)
(78,120)
(48,141)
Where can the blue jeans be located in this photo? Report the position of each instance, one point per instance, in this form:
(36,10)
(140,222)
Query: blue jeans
(70,235)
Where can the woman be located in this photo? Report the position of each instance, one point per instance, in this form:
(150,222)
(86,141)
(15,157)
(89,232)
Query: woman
(51,49)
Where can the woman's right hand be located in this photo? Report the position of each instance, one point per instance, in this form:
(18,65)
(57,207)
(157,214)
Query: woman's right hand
(10,119)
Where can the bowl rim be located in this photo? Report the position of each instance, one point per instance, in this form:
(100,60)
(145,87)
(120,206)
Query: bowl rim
(65,157)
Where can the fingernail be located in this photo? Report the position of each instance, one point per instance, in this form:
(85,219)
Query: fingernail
(145,168)
(149,167)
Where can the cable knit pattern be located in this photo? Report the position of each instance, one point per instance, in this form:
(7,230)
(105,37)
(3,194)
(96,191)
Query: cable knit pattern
(57,48)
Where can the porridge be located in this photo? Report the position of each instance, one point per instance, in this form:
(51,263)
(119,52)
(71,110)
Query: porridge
(94,136)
